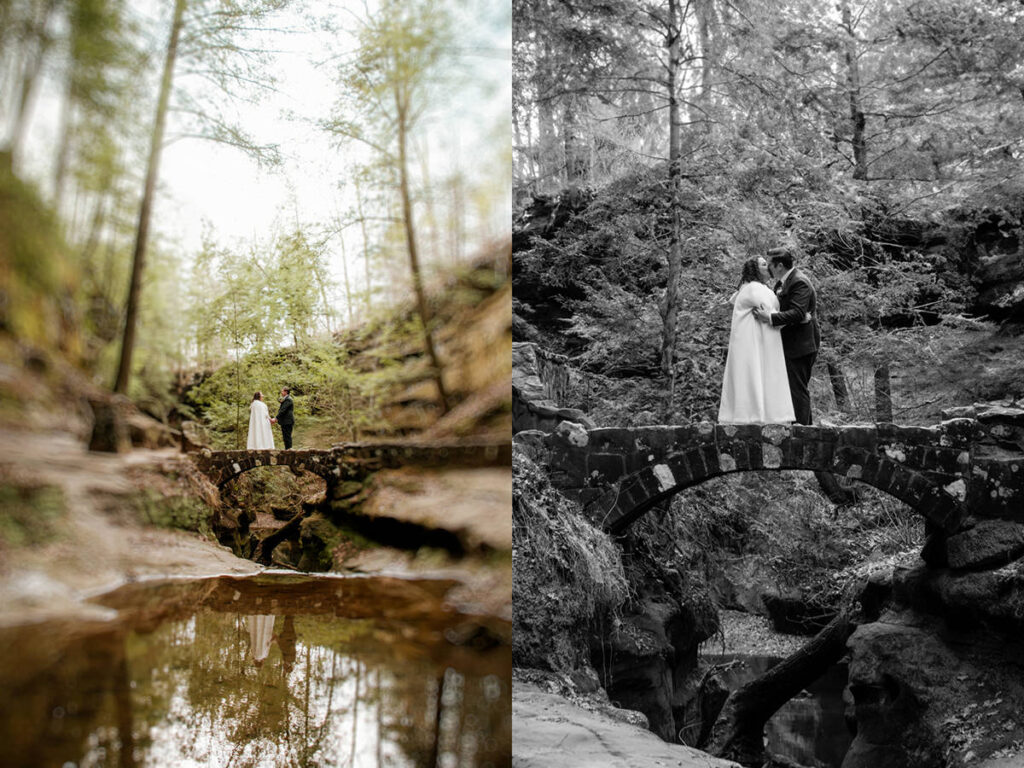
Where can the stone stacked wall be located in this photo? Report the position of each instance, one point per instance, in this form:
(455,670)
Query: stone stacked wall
(542,382)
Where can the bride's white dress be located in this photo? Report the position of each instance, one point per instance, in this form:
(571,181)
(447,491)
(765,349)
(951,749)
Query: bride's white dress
(261,436)
(755,389)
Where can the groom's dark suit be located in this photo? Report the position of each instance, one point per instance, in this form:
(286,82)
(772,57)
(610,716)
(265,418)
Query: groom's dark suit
(800,340)
(286,418)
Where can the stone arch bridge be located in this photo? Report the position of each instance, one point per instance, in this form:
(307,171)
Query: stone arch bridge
(959,469)
(353,461)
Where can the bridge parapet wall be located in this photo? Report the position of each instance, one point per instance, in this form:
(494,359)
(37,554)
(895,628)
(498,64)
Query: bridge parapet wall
(620,473)
(350,460)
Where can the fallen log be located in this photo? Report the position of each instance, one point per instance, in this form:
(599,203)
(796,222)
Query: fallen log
(738,733)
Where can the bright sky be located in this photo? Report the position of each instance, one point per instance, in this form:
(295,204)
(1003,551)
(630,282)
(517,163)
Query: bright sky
(202,181)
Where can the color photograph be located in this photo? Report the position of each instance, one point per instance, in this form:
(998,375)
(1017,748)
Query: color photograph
(255,400)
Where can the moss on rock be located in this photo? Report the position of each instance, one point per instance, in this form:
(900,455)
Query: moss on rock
(568,574)
(30,515)
(187,513)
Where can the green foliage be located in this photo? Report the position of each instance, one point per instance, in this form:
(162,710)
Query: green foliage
(327,391)
(781,519)
(568,574)
(30,516)
(38,278)
(184,512)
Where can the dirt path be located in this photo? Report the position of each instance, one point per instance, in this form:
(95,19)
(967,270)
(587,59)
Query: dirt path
(99,545)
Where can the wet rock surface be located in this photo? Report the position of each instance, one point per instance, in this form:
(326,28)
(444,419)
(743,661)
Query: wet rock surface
(550,730)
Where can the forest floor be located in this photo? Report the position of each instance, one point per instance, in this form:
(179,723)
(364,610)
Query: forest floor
(749,633)
(90,538)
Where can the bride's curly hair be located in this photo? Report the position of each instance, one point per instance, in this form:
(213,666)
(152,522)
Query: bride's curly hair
(257,396)
(751,272)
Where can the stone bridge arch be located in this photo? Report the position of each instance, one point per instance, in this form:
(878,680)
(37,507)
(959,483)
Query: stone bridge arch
(353,460)
(944,472)
(224,466)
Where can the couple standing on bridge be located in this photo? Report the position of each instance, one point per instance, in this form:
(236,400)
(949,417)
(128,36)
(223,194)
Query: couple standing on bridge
(772,345)
(261,436)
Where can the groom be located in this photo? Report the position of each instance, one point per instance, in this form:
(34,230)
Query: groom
(285,417)
(800,339)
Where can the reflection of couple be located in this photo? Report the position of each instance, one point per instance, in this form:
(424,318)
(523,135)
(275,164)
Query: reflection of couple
(772,345)
(261,635)
(261,437)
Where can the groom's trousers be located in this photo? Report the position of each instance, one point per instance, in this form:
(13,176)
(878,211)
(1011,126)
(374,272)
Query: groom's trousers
(286,433)
(798,370)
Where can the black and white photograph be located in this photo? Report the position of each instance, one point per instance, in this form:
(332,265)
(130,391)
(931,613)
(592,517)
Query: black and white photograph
(768,410)
(255,399)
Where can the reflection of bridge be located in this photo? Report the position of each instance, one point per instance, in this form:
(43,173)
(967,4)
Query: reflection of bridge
(965,466)
(354,460)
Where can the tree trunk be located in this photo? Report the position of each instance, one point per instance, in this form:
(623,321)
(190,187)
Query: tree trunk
(124,369)
(30,76)
(414,263)
(670,306)
(738,733)
(265,549)
(835,491)
(547,164)
(858,121)
(839,389)
(576,160)
(458,222)
(428,198)
(883,395)
(366,241)
(706,22)
(63,148)
(348,288)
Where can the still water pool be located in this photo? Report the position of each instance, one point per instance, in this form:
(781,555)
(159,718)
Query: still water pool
(810,729)
(272,670)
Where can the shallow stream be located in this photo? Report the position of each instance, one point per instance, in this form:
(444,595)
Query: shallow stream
(271,670)
(810,729)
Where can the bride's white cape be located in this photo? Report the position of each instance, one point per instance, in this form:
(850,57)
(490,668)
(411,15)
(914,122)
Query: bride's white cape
(261,436)
(755,388)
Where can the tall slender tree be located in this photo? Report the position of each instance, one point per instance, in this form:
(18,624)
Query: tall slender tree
(402,47)
(142,232)
(211,42)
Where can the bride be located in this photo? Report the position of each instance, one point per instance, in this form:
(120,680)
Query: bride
(261,438)
(755,389)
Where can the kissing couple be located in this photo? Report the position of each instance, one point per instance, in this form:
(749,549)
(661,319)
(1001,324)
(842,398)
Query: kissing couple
(261,436)
(773,344)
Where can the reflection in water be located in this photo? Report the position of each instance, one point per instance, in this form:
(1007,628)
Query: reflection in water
(810,730)
(261,634)
(273,671)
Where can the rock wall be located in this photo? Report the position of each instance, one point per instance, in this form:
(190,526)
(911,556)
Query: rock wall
(645,660)
(541,382)
(938,678)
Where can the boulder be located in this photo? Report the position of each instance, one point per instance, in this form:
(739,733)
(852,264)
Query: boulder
(193,437)
(282,512)
(528,415)
(147,432)
(647,660)
(986,544)
(531,443)
(936,680)
(898,674)
(526,373)
(635,661)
